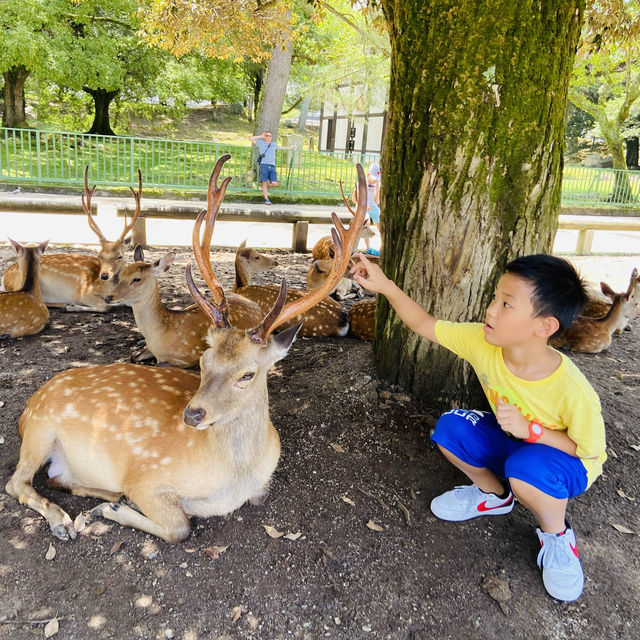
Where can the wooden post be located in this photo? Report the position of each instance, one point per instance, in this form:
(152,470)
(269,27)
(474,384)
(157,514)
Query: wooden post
(585,240)
(300,232)
(139,233)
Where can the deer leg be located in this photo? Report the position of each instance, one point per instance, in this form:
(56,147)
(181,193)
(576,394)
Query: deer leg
(142,355)
(84,492)
(162,516)
(21,488)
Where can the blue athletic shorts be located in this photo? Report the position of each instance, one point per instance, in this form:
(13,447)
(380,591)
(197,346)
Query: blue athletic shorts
(268,173)
(374,213)
(477,439)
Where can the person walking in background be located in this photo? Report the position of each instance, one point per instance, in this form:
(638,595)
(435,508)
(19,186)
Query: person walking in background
(267,161)
(373,203)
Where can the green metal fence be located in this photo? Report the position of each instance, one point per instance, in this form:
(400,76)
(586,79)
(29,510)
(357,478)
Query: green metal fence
(58,158)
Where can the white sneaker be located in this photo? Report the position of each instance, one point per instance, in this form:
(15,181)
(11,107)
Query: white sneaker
(466,502)
(561,569)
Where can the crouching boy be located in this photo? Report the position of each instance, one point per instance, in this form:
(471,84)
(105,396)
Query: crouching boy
(544,441)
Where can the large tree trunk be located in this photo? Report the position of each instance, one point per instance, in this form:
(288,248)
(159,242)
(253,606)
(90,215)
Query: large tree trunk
(14,114)
(274,90)
(472,164)
(101,100)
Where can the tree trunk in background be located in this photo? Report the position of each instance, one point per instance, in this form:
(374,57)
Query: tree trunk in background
(632,152)
(304,112)
(101,99)
(13,115)
(471,165)
(273,91)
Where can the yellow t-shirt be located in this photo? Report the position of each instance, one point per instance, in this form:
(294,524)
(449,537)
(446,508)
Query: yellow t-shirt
(564,400)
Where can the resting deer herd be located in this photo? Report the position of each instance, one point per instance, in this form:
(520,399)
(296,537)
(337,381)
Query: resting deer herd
(186,443)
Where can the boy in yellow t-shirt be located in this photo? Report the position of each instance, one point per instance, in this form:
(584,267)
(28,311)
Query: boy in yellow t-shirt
(545,436)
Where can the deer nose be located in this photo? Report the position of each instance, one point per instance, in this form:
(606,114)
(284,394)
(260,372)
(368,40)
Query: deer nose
(108,299)
(193,417)
(104,276)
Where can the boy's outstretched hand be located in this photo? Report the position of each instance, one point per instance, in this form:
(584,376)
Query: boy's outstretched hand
(369,275)
(511,420)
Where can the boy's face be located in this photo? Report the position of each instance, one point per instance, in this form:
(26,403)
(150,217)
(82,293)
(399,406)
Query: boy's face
(510,320)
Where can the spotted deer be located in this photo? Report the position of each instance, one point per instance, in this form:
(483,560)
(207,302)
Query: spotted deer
(23,312)
(596,308)
(248,262)
(324,249)
(593,335)
(175,444)
(362,320)
(318,273)
(76,281)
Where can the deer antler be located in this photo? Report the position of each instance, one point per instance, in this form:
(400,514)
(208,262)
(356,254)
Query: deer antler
(137,197)
(344,240)
(632,281)
(86,204)
(218,310)
(345,200)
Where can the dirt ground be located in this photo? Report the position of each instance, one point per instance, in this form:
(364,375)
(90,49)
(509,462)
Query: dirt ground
(355,450)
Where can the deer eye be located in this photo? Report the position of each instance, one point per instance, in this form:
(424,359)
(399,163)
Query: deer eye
(136,279)
(247,377)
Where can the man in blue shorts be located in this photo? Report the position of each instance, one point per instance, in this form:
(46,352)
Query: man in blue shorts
(267,161)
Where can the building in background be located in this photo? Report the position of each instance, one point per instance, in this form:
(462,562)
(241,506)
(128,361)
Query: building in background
(353,119)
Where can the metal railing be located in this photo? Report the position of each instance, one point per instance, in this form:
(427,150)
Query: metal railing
(58,158)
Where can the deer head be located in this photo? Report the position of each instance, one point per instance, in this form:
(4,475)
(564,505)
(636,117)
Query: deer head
(111,254)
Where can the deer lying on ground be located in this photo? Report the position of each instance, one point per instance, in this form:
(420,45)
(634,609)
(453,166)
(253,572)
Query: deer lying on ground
(362,320)
(173,337)
(326,318)
(23,312)
(324,249)
(76,281)
(173,443)
(318,273)
(593,335)
(596,308)
(248,262)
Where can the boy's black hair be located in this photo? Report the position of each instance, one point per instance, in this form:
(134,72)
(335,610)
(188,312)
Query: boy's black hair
(558,289)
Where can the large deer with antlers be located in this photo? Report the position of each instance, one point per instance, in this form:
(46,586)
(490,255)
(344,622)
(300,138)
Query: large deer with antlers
(22,312)
(175,444)
(76,281)
(593,335)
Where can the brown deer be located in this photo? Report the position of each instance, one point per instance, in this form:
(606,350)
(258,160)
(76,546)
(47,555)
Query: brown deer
(173,443)
(22,312)
(318,273)
(76,281)
(248,262)
(362,319)
(173,337)
(596,307)
(324,249)
(593,335)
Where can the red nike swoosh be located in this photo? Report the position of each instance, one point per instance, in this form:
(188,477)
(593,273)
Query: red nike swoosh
(483,506)
(574,549)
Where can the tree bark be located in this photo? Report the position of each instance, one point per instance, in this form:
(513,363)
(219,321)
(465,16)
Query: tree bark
(472,164)
(274,90)
(101,100)
(13,115)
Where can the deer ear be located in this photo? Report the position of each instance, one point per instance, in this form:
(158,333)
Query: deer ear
(17,247)
(160,266)
(127,241)
(607,290)
(42,247)
(138,253)
(281,342)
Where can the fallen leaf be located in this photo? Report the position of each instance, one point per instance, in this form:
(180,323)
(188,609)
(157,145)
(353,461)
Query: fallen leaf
(1,403)
(116,547)
(215,552)
(621,528)
(272,532)
(337,448)
(373,526)
(237,612)
(348,501)
(498,589)
(51,628)
(293,536)
(79,523)
(51,552)
(622,494)
(635,446)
